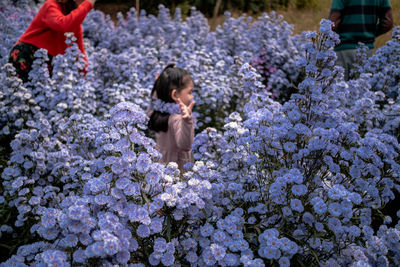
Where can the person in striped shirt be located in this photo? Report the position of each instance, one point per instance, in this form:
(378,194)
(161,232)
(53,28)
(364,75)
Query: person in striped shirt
(358,21)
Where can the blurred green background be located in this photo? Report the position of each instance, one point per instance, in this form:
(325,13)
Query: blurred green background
(303,14)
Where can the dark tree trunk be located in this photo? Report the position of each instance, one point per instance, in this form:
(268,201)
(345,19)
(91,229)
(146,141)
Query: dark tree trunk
(216,8)
(138,9)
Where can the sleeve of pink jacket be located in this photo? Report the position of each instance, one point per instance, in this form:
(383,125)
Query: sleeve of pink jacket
(183,131)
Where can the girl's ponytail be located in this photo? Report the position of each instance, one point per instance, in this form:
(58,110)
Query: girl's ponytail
(158,121)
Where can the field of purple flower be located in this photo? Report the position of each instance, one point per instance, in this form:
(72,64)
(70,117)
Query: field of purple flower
(293,164)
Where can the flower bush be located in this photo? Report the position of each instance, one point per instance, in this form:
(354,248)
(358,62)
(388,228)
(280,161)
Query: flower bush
(384,81)
(307,183)
(307,179)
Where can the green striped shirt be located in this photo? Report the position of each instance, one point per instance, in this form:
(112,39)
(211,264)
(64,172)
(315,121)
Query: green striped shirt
(360,21)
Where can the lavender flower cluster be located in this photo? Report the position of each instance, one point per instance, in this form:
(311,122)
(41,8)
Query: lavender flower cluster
(98,189)
(383,77)
(125,57)
(307,180)
(161,106)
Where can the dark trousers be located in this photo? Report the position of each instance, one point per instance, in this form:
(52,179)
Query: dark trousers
(22,56)
(346,59)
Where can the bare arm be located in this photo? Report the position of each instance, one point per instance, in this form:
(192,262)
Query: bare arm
(385,23)
(56,20)
(336,17)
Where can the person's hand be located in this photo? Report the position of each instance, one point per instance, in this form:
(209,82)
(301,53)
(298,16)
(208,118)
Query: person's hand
(92,2)
(186,111)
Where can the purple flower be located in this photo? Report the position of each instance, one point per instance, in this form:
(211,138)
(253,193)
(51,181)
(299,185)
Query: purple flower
(152,178)
(132,189)
(101,199)
(133,244)
(354,231)
(79,256)
(335,225)
(160,245)
(251,220)
(49,234)
(117,167)
(208,257)
(156,225)
(284,262)
(70,240)
(54,257)
(77,212)
(296,205)
(85,239)
(218,251)
(97,185)
(319,205)
(219,236)
(327,245)
(287,211)
(168,259)
(269,252)
(289,147)
(143,163)
(308,218)
(154,258)
(315,243)
(319,226)
(143,231)
(123,257)
(299,189)
(206,230)
(48,222)
(337,192)
(191,257)
(231,259)
(163,107)
(111,245)
(335,209)
(129,156)
(243,245)
(122,183)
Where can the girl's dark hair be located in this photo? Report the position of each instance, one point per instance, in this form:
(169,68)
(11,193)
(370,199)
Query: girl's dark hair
(170,78)
(68,6)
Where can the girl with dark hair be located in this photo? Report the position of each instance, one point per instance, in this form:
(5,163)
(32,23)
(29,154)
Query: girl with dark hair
(171,115)
(47,29)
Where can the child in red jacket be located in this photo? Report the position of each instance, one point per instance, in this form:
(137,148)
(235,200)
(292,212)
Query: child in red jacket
(47,29)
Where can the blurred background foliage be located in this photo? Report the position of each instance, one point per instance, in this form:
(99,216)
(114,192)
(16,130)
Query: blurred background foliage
(207,7)
(305,15)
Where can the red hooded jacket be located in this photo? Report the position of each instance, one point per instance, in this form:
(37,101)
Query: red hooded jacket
(49,25)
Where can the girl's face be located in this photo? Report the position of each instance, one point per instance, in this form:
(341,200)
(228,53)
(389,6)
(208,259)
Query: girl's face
(186,94)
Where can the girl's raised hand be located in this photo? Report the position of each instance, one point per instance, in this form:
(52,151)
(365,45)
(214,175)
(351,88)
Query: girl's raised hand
(186,111)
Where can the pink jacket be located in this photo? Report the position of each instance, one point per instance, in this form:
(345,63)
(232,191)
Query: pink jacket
(176,143)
